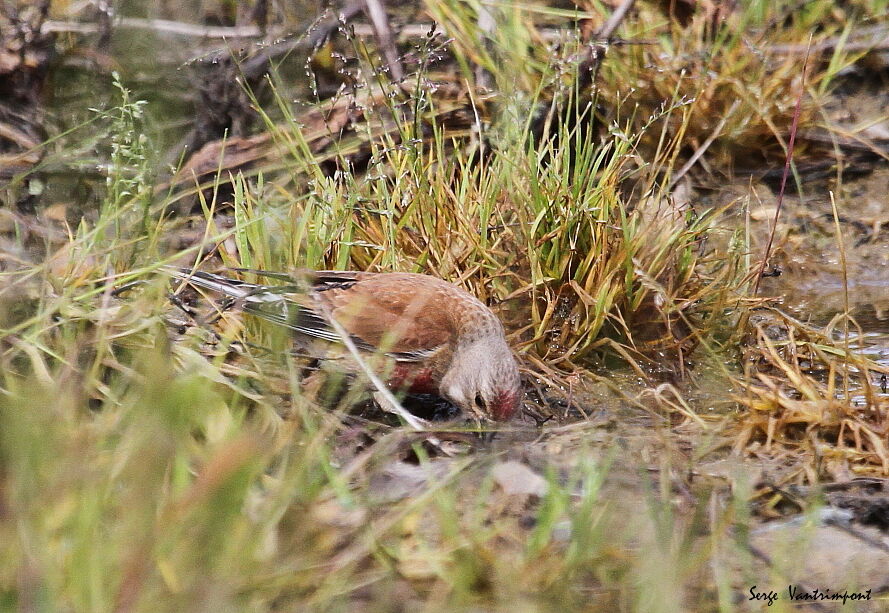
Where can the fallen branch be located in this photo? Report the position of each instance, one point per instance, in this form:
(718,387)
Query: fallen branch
(376,11)
(156,25)
(192,30)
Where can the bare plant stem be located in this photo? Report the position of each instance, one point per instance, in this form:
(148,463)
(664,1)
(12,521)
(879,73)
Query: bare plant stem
(846,314)
(787,162)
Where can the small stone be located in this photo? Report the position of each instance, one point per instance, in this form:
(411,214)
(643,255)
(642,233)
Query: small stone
(516,479)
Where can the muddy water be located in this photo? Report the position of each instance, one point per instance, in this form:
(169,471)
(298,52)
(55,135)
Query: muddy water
(162,68)
(824,272)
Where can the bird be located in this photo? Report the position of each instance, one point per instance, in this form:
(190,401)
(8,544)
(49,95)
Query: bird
(435,337)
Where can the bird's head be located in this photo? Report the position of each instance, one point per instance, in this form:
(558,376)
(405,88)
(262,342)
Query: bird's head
(483,380)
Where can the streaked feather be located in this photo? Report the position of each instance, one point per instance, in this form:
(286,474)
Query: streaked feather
(271,303)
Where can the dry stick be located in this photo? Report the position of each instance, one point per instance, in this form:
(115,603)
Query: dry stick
(588,69)
(486,25)
(191,30)
(377,14)
(846,314)
(594,51)
(165,26)
(787,162)
(315,35)
(879,40)
(864,537)
(396,407)
(615,20)
(311,39)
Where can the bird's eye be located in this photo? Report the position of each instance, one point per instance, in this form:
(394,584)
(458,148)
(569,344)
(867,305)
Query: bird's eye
(479,401)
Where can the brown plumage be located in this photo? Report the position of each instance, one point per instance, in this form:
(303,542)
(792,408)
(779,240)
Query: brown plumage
(441,339)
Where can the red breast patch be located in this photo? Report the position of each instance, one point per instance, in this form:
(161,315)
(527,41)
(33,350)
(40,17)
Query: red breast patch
(413,379)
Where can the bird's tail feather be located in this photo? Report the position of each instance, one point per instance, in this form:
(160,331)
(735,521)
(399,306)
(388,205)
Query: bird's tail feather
(269,302)
(250,293)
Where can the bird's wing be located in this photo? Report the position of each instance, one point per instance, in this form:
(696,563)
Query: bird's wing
(403,314)
(392,316)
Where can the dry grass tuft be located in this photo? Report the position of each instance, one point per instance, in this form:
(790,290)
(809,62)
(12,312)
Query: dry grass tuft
(808,393)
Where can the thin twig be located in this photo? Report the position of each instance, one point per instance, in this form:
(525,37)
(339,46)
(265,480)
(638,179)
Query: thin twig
(486,25)
(615,20)
(396,407)
(193,30)
(846,527)
(313,38)
(878,40)
(588,69)
(157,25)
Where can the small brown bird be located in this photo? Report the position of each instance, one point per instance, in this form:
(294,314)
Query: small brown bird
(441,339)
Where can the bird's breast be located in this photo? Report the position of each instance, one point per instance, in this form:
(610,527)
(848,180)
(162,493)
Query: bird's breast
(413,378)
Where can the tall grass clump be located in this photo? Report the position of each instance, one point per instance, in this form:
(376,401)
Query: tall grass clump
(579,229)
(578,240)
